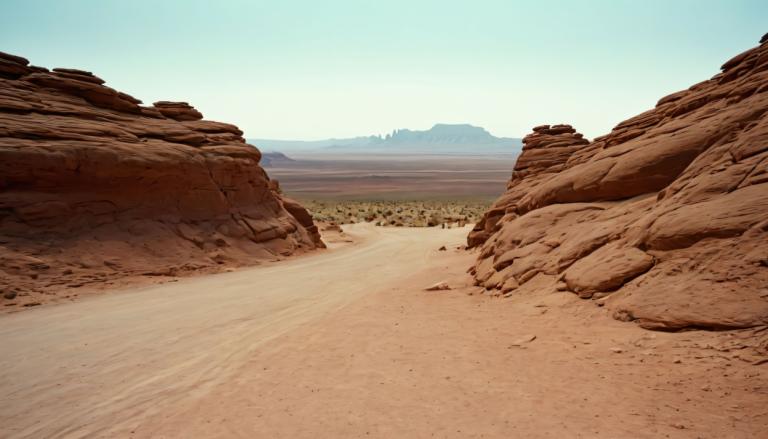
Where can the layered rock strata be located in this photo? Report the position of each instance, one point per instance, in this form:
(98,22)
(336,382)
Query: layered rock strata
(95,186)
(664,220)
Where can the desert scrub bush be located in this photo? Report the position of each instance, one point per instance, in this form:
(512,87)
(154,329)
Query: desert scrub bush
(430,213)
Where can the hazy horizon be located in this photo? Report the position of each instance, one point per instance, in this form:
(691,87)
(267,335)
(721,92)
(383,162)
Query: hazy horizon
(310,71)
(384,134)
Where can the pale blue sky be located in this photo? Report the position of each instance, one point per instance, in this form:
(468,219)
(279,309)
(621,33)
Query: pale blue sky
(318,69)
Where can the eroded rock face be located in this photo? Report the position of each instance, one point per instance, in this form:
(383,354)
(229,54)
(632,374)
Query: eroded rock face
(667,214)
(94,187)
(544,154)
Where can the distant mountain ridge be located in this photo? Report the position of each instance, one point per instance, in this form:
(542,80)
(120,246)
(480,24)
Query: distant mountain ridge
(440,139)
(443,133)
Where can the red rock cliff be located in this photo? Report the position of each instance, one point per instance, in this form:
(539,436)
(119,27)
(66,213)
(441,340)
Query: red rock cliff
(95,186)
(664,220)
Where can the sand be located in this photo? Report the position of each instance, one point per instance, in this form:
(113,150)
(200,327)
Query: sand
(346,343)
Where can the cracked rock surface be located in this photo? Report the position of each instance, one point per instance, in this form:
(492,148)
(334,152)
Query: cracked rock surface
(95,187)
(664,220)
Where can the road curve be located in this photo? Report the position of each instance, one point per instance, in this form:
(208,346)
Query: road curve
(94,368)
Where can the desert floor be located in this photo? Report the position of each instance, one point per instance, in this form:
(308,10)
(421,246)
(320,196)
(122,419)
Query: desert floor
(346,343)
(391,177)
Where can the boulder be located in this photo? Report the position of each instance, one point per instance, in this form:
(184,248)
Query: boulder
(440,286)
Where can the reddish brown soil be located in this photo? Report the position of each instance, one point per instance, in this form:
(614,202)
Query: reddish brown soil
(346,343)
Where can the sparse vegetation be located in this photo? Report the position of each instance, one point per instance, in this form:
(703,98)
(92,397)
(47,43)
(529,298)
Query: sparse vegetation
(398,213)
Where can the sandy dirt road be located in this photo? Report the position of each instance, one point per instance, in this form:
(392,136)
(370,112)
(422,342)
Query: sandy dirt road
(347,344)
(99,366)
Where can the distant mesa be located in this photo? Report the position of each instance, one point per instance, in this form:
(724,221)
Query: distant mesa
(462,134)
(274,158)
(440,139)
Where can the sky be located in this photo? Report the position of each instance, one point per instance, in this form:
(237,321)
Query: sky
(305,70)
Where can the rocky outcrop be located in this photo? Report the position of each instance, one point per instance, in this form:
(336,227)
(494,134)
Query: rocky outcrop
(95,187)
(545,152)
(664,220)
(177,110)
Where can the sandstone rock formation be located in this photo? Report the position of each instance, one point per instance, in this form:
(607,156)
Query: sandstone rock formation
(545,152)
(94,187)
(665,219)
